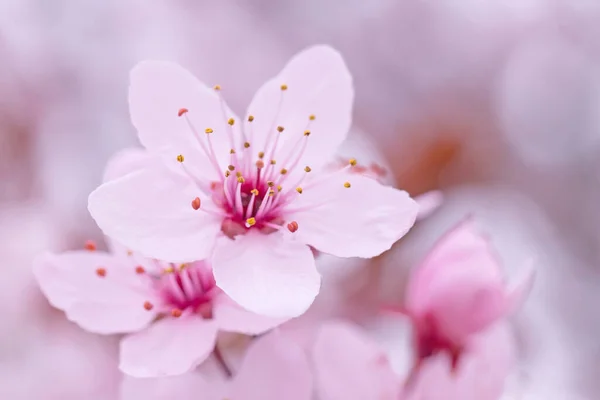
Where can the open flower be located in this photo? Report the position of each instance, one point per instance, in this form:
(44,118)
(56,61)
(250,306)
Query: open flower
(172,312)
(253,194)
(458,292)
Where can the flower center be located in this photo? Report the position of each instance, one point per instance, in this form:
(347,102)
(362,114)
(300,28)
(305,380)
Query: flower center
(187,287)
(255,187)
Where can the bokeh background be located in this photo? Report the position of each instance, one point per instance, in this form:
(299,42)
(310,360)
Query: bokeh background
(495,103)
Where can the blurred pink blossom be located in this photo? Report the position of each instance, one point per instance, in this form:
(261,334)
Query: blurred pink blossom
(456,292)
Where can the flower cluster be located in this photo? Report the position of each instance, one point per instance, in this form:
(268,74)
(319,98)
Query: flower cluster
(215,225)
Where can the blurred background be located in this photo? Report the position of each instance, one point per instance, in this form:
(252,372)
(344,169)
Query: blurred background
(495,103)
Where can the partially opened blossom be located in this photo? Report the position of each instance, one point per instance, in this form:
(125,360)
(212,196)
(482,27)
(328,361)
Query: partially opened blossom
(457,293)
(171,312)
(252,194)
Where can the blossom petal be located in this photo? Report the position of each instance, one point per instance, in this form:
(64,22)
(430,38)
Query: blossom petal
(274,368)
(113,303)
(267,274)
(171,346)
(157,93)
(349,366)
(319,84)
(233,318)
(150,211)
(361,221)
(126,161)
(460,248)
(459,285)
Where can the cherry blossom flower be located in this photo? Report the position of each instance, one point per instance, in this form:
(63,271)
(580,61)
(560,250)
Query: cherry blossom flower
(171,312)
(458,292)
(253,194)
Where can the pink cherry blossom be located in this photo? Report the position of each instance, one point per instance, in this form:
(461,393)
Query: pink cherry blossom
(251,194)
(457,292)
(171,312)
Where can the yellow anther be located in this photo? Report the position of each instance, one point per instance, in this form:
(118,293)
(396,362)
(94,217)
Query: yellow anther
(231,167)
(307,169)
(312,117)
(280,129)
(231,151)
(241,179)
(168,270)
(182,267)
(180,158)
(250,118)
(270,183)
(246,145)
(261,154)
(299,189)
(279,188)
(284,87)
(352,162)
(251,221)
(254,192)
(231,121)
(271,192)
(227,173)
(347,185)
(283,171)
(307,133)
(273,162)
(208,130)
(217,87)
(238,174)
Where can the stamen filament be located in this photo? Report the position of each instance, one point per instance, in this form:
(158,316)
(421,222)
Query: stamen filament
(209,152)
(251,204)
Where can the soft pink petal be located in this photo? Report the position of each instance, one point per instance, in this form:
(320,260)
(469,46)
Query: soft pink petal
(274,368)
(150,211)
(428,203)
(459,285)
(465,305)
(110,304)
(460,249)
(157,92)
(319,84)
(171,346)
(267,274)
(361,221)
(126,161)
(232,318)
(349,366)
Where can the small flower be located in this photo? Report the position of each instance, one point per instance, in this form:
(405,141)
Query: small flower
(252,179)
(458,292)
(171,313)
